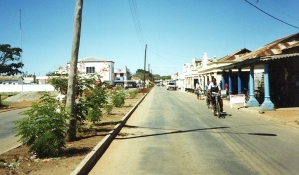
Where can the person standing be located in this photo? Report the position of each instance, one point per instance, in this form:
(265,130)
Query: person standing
(197,90)
(208,98)
(226,88)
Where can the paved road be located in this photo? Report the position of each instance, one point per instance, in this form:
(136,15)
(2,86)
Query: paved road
(7,133)
(172,132)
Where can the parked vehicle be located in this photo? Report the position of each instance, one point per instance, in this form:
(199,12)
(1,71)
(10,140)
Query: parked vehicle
(171,86)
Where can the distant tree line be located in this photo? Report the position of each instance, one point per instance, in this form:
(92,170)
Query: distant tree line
(140,73)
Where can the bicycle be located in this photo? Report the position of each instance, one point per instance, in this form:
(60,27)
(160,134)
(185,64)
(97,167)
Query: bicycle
(216,106)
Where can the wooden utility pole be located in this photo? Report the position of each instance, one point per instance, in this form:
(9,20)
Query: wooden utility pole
(70,98)
(144,67)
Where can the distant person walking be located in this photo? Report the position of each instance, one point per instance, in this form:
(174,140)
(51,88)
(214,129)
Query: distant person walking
(198,90)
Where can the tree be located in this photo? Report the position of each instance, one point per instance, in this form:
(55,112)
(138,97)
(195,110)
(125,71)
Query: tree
(157,76)
(50,73)
(166,77)
(10,63)
(140,74)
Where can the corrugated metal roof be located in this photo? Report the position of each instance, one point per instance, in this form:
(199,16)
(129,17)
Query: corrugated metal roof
(273,48)
(235,55)
(273,57)
(9,78)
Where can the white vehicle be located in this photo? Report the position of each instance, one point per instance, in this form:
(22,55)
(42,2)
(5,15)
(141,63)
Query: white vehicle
(171,86)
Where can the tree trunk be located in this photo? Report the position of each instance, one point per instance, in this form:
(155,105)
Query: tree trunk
(70,98)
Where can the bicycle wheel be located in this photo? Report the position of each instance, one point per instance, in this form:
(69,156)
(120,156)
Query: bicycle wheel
(218,109)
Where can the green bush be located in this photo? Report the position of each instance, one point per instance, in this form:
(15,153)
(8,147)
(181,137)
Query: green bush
(43,131)
(108,108)
(94,102)
(132,94)
(118,98)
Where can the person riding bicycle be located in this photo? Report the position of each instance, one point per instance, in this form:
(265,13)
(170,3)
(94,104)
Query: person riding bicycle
(214,87)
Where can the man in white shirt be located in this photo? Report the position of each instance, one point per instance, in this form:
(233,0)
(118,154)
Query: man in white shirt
(214,87)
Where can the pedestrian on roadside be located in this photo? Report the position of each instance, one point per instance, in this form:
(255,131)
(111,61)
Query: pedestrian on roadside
(198,90)
(208,97)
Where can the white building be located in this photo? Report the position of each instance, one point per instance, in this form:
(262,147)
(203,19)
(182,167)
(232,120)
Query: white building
(122,73)
(11,80)
(99,66)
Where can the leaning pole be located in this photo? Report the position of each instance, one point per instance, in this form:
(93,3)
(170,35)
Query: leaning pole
(70,98)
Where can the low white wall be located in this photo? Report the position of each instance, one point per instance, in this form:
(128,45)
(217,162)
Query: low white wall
(26,88)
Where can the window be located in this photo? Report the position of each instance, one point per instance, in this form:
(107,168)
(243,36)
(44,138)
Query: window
(90,70)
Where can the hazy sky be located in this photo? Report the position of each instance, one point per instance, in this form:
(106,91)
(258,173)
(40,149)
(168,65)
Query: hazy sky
(175,31)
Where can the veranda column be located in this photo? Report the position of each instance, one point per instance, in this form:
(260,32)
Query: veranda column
(239,81)
(230,83)
(267,104)
(223,80)
(252,100)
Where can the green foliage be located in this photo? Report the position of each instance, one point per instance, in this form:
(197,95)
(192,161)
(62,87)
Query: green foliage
(141,74)
(50,73)
(90,98)
(157,76)
(95,101)
(108,108)
(2,160)
(10,60)
(166,77)
(43,131)
(118,98)
(59,84)
(132,94)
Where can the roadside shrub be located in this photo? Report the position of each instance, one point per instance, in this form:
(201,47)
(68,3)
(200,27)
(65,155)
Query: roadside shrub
(118,98)
(95,101)
(108,108)
(143,90)
(132,94)
(43,131)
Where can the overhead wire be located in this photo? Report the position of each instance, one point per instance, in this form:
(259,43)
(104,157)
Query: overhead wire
(170,53)
(271,15)
(135,16)
(280,11)
(172,61)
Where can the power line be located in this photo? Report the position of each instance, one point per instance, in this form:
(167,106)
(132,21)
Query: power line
(170,53)
(272,16)
(162,57)
(280,11)
(135,16)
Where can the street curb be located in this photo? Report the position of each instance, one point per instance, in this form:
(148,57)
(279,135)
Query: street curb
(11,148)
(92,158)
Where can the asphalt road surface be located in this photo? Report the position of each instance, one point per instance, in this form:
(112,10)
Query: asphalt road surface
(172,132)
(7,133)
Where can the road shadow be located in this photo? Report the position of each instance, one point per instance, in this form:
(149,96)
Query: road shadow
(165,133)
(255,134)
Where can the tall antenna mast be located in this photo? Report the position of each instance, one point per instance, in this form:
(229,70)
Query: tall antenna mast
(21,45)
(21,31)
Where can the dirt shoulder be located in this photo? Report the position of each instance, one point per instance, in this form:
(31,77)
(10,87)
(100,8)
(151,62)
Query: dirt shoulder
(74,152)
(285,116)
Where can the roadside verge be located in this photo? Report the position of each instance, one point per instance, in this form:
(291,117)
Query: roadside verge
(91,159)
